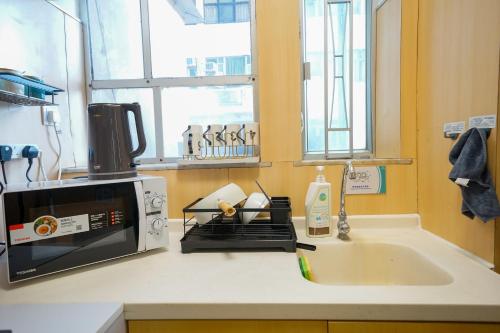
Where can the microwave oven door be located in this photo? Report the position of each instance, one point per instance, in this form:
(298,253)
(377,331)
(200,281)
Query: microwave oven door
(51,230)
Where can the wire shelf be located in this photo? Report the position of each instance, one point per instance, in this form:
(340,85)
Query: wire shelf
(32,86)
(10,97)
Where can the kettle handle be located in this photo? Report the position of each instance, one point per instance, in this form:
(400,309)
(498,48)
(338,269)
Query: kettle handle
(141,138)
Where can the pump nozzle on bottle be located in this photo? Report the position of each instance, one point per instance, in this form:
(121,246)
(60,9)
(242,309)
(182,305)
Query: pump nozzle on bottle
(320,178)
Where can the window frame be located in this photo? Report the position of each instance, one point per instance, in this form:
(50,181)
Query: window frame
(370,93)
(159,83)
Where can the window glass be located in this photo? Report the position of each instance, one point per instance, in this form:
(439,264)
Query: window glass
(211,14)
(313,26)
(339,85)
(199,30)
(145,99)
(359,84)
(242,12)
(116,39)
(188,38)
(203,106)
(226,13)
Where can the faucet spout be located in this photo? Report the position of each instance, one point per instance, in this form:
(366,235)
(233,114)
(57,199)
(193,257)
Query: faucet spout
(342,225)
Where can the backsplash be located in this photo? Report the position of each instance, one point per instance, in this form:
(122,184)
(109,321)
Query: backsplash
(52,51)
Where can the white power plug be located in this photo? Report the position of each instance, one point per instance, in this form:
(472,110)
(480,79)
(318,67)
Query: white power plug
(50,115)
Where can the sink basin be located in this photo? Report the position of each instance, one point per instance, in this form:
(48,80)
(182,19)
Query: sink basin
(363,263)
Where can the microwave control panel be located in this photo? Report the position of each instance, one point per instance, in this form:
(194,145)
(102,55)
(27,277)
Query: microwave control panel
(155,197)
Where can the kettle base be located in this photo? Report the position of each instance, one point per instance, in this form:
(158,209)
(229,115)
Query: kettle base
(112,175)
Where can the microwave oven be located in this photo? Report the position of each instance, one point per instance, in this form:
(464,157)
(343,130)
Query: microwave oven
(54,226)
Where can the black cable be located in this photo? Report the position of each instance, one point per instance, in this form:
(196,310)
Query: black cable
(4,249)
(3,172)
(1,187)
(30,164)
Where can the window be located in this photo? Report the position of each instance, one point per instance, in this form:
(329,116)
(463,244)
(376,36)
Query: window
(180,62)
(116,41)
(226,11)
(313,7)
(337,116)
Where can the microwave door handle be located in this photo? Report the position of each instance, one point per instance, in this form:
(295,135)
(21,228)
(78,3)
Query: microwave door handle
(139,193)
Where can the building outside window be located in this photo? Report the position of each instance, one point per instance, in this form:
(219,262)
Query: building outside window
(226,11)
(138,52)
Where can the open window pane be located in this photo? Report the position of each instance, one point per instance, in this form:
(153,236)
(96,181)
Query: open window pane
(203,106)
(314,88)
(186,35)
(145,99)
(338,53)
(116,39)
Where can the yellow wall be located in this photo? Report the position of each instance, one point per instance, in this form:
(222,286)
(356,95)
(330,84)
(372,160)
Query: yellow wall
(457,70)
(458,67)
(279,89)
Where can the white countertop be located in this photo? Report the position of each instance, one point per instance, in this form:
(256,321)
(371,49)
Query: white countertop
(59,318)
(165,284)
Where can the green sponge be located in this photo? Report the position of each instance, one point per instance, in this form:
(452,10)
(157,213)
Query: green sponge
(305,268)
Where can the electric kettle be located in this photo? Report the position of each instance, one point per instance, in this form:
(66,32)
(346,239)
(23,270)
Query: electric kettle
(111,152)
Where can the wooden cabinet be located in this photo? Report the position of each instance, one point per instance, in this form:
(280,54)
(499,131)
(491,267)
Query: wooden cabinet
(304,326)
(409,327)
(227,326)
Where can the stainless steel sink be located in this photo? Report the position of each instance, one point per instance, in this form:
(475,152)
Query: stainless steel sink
(370,263)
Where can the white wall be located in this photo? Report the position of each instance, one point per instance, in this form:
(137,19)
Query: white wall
(38,38)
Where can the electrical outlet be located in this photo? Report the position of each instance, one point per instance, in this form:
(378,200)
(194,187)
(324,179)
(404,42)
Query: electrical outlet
(17,150)
(50,115)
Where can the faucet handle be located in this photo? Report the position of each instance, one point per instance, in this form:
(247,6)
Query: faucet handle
(351,172)
(344,228)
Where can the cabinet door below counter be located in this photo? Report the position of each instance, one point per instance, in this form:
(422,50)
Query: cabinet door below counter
(227,326)
(409,327)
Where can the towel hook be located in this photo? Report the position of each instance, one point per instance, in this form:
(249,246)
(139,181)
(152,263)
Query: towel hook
(452,136)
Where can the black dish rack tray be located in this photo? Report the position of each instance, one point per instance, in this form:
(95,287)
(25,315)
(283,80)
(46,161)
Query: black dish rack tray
(275,232)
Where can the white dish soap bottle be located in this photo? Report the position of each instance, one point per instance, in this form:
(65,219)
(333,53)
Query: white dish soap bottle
(319,207)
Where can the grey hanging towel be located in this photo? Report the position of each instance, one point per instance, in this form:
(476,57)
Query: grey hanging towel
(469,157)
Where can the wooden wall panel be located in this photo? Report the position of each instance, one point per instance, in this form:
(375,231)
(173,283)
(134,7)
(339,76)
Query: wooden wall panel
(284,179)
(185,186)
(458,59)
(279,79)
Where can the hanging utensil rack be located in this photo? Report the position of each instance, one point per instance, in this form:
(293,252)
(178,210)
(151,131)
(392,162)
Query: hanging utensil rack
(21,99)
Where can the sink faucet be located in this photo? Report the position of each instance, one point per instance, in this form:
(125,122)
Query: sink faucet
(342,225)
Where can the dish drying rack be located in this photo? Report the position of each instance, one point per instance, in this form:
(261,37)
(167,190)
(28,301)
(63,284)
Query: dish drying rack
(275,232)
